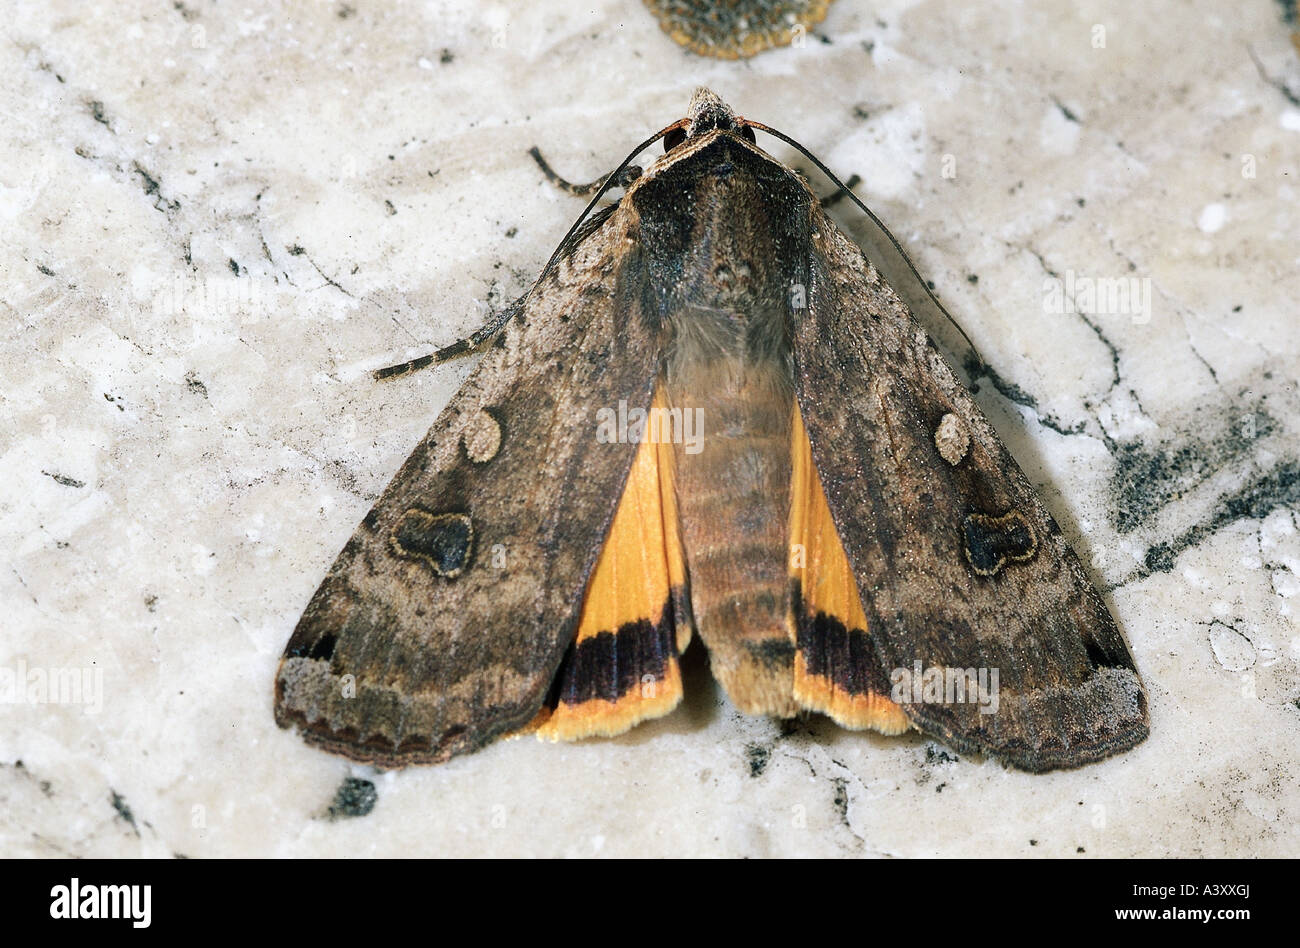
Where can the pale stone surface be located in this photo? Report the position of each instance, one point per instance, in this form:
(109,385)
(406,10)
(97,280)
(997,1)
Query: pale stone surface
(217,219)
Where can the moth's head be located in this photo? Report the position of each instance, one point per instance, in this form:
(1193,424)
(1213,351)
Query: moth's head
(707,113)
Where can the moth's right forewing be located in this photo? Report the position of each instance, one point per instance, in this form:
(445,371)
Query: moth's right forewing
(959,566)
(443,620)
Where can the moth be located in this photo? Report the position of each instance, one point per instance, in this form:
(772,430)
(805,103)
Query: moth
(710,415)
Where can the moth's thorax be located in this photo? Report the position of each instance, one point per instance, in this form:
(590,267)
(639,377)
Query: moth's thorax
(720,229)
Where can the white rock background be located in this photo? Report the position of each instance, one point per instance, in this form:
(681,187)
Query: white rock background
(218,217)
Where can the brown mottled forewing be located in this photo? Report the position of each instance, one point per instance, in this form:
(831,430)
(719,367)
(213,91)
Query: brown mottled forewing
(443,620)
(958,564)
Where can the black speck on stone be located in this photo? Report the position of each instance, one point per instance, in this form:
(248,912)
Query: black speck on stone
(44,269)
(1237,308)
(355,797)
(512,231)
(64,480)
(447,57)
(389,205)
(972,278)
(234,267)
(1079,850)
(195,384)
(296,251)
(841,800)
(758,758)
(1033,842)
(937,755)
(123,811)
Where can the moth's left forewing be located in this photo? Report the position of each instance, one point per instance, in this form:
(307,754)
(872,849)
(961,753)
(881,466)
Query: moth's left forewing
(967,582)
(442,622)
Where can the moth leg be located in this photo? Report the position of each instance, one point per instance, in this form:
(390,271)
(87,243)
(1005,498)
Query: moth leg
(485,333)
(836,671)
(623,666)
(625,177)
(838,195)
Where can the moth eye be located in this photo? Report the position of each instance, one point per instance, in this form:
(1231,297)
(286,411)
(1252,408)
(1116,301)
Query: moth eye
(673,139)
(747,134)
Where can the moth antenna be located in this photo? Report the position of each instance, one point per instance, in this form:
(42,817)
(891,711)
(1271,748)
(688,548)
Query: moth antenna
(498,322)
(845,189)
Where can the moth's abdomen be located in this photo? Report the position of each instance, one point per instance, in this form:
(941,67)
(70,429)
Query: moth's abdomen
(733,498)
